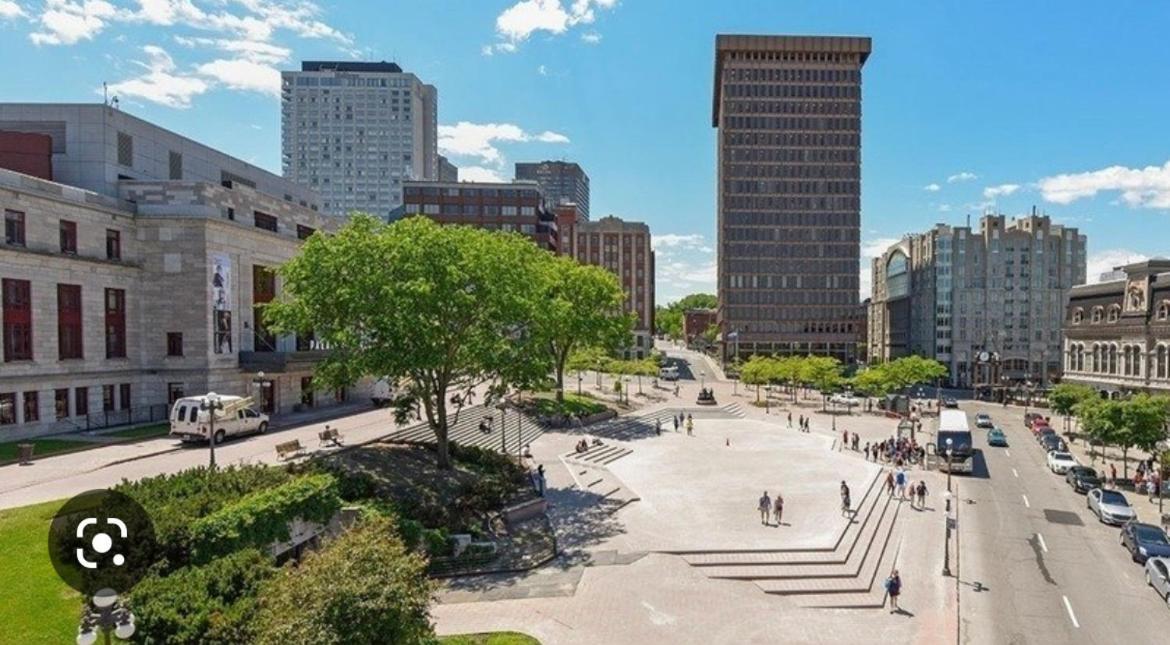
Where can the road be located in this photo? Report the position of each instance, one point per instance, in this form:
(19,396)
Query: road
(1050,572)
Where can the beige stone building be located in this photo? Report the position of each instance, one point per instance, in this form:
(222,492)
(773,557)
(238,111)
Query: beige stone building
(988,303)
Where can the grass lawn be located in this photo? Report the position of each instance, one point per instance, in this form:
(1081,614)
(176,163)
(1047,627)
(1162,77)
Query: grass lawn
(574,405)
(142,432)
(37,606)
(42,447)
(493,638)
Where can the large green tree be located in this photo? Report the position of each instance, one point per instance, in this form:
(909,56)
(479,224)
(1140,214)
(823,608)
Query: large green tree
(822,373)
(436,308)
(669,319)
(1065,397)
(1101,419)
(1144,423)
(581,307)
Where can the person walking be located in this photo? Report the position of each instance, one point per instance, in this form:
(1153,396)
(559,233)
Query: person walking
(922,494)
(893,590)
(765,506)
(658,427)
(778,509)
(675,419)
(790,419)
(900,482)
(890,483)
(690,426)
(1112,475)
(846,503)
(844,440)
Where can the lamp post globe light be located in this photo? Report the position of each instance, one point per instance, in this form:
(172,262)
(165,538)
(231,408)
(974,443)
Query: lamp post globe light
(104,614)
(210,404)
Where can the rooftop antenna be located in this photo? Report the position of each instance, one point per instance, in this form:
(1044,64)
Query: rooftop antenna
(105,94)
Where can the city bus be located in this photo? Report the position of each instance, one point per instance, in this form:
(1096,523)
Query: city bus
(952,425)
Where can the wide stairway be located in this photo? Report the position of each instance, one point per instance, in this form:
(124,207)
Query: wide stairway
(625,428)
(464,430)
(847,575)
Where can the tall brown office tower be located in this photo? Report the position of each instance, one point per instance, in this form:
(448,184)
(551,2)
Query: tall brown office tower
(788,110)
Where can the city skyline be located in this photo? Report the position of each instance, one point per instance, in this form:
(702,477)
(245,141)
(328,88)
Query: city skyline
(961,113)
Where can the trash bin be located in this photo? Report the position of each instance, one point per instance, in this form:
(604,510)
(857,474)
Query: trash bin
(25,450)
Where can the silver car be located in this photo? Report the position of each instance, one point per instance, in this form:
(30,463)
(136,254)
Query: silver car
(1110,506)
(1158,576)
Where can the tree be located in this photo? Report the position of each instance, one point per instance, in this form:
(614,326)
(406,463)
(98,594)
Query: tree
(758,370)
(823,373)
(363,587)
(710,334)
(1101,419)
(436,308)
(1065,397)
(1144,424)
(873,381)
(909,371)
(669,319)
(581,307)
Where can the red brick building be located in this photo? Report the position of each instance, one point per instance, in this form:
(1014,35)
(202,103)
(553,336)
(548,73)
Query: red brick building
(518,207)
(695,322)
(30,153)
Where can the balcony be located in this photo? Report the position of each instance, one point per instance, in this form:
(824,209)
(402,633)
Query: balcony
(279,362)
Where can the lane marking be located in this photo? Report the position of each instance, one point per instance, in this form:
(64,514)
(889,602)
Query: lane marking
(1042,544)
(1007,452)
(1014,473)
(1071,615)
(1026,501)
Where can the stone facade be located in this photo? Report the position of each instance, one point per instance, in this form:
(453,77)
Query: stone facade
(172,235)
(695,322)
(1117,333)
(986,303)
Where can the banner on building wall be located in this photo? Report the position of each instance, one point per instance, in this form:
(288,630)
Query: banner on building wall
(221,307)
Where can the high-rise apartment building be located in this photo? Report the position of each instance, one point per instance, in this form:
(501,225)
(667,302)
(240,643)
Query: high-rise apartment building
(355,131)
(447,170)
(788,113)
(987,303)
(624,249)
(563,182)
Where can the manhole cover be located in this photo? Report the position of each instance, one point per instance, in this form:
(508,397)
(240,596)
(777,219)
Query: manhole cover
(1067,518)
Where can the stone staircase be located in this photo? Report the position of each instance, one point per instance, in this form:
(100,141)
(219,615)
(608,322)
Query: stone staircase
(464,430)
(602,455)
(847,575)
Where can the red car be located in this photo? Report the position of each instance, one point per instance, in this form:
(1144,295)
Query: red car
(1038,424)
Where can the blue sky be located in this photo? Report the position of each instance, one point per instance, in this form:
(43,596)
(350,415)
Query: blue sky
(967,106)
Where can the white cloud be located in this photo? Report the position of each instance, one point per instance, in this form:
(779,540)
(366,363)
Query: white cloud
(591,37)
(1102,261)
(962,176)
(521,20)
(542,70)
(944,208)
(243,74)
(480,173)
(675,240)
(1147,187)
(1002,190)
(932,188)
(871,249)
(684,263)
(480,141)
(161,83)
(9,9)
(65,22)
(552,137)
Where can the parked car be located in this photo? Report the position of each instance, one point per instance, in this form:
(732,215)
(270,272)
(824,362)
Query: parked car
(1044,432)
(668,373)
(1029,417)
(1082,478)
(189,422)
(1144,541)
(996,437)
(1039,425)
(1158,576)
(1110,506)
(1052,442)
(983,420)
(1059,462)
(950,402)
(847,400)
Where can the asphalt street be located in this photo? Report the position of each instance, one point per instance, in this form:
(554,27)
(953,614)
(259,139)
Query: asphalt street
(1035,565)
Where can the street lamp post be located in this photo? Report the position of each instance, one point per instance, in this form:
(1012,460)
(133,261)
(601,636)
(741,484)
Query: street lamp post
(579,383)
(210,404)
(947,543)
(950,456)
(702,378)
(503,427)
(105,614)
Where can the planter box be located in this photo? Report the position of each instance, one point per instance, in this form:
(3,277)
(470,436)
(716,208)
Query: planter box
(525,510)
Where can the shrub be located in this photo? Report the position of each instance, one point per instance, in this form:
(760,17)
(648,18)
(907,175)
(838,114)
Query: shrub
(437,542)
(214,603)
(363,587)
(262,518)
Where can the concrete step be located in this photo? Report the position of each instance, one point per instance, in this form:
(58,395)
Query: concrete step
(872,598)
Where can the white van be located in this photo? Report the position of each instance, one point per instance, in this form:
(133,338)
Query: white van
(668,373)
(385,392)
(189,423)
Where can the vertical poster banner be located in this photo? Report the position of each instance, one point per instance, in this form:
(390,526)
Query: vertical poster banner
(221,299)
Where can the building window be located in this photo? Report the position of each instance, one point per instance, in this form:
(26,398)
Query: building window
(32,410)
(69,343)
(17,320)
(7,408)
(265,221)
(176,165)
(14,227)
(305,232)
(61,403)
(68,237)
(115,323)
(1078,316)
(174,392)
(174,343)
(125,149)
(113,244)
(124,396)
(81,401)
(1164,310)
(1098,315)
(1114,313)
(107,398)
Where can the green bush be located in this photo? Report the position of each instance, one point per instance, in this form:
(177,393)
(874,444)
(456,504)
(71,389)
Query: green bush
(214,603)
(437,542)
(262,518)
(362,588)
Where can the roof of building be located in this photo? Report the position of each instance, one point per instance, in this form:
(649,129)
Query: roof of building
(349,66)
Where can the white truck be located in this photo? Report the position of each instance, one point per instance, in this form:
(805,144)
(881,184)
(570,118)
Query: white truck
(190,422)
(668,373)
(385,392)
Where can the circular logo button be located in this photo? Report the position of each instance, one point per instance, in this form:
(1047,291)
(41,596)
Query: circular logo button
(102,539)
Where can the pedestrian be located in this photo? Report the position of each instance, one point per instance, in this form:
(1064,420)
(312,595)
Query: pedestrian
(778,509)
(900,482)
(1152,487)
(922,494)
(845,440)
(790,419)
(893,590)
(802,423)
(676,390)
(856,441)
(890,483)
(690,426)
(540,479)
(765,506)
(658,427)
(846,504)
(1113,475)
(866,451)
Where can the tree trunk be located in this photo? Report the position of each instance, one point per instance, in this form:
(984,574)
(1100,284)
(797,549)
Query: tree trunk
(1125,462)
(561,376)
(757,392)
(438,421)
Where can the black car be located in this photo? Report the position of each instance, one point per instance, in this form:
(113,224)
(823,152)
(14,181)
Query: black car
(1052,442)
(1144,541)
(1082,478)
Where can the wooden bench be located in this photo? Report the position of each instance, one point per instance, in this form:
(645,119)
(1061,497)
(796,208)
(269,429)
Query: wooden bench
(289,449)
(330,436)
